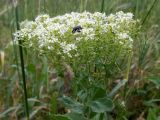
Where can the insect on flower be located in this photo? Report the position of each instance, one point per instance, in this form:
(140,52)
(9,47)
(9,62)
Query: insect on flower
(77,29)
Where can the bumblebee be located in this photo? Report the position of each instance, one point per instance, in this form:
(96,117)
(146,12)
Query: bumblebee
(77,29)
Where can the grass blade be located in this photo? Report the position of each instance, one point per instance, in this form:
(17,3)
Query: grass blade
(145,18)
(22,64)
(102,6)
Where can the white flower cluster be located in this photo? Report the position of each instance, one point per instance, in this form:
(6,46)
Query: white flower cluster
(47,33)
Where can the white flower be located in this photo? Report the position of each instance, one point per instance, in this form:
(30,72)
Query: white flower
(42,18)
(123,36)
(46,32)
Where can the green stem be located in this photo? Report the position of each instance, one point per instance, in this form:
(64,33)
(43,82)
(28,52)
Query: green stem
(126,92)
(81,6)
(22,65)
(129,65)
(145,18)
(137,9)
(102,6)
(44,6)
(15,52)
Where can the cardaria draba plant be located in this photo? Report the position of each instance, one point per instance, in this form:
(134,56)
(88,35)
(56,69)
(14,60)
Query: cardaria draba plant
(93,45)
(89,42)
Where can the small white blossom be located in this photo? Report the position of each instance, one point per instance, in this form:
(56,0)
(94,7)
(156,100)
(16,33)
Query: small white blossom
(47,33)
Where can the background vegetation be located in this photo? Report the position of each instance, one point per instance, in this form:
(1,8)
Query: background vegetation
(142,91)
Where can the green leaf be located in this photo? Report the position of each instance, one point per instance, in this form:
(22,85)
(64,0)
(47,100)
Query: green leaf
(75,116)
(60,117)
(31,68)
(102,116)
(155,80)
(152,102)
(11,109)
(53,104)
(102,105)
(152,114)
(117,87)
(99,93)
(71,104)
(96,117)
(82,95)
(35,112)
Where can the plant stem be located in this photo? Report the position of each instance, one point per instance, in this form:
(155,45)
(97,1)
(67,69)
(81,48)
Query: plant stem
(44,6)
(129,65)
(145,18)
(22,65)
(102,6)
(81,6)
(15,52)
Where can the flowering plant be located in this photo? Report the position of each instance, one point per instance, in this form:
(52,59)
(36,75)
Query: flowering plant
(92,44)
(85,37)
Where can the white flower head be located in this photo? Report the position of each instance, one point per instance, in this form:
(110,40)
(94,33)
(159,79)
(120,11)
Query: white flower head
(48,33)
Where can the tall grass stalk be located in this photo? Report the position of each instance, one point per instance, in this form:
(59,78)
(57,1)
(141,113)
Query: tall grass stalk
(44,6)
(26,8)
(39,6)
(22,64)
(81,6)
(129,65)
(145,18)
(85,4)
(137,8)
(102,6)
(14,51)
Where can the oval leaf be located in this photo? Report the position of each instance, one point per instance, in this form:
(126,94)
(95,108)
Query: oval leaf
(102,105)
